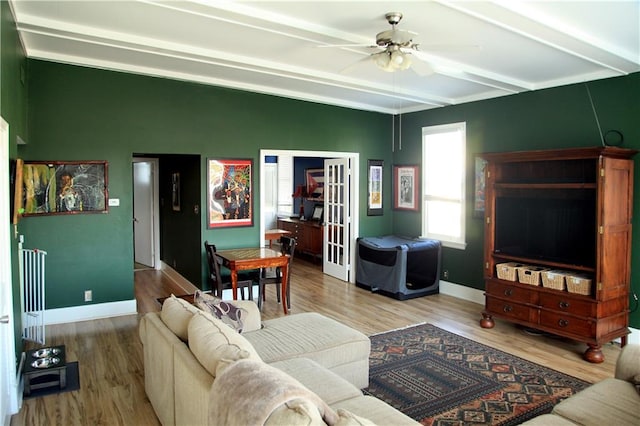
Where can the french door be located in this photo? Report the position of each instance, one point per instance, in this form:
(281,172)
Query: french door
(338,227)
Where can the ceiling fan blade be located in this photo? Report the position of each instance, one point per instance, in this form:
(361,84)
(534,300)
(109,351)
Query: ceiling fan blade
(346,45)
(450,48)
(423,69)
(355,65)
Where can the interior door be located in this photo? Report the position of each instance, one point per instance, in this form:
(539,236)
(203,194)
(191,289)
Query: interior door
(143,213)
(270,205)
(8,390)
(338,230)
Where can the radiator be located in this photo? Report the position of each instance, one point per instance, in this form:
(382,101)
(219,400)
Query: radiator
(32,264)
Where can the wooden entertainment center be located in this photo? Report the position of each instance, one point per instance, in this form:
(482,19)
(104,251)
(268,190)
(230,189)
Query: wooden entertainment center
(566,210)
(307,233)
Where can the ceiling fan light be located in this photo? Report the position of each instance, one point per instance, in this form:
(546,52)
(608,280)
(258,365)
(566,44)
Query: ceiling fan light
(382,60)
(397,58)
(406,61)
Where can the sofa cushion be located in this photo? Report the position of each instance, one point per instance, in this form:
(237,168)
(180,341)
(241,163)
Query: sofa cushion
(331,344)
(374,410)
(319,380)
(347,418)
(250,392)
(610,401)
(214,342)
(176,314)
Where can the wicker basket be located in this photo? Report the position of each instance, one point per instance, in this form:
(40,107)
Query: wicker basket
(579,284)
(508,271)
(554,278)
(530,274)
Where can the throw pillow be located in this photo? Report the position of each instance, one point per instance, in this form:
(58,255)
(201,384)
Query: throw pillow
(214,343)
(176,314)
(227,312)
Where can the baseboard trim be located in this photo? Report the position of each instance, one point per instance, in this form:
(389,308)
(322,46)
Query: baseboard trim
(90,312)
(477,296)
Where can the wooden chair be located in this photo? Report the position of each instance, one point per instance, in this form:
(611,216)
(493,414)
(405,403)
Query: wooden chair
(216,281)
(274,276)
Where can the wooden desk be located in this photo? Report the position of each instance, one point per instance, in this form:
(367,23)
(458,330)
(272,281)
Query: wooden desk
(274,235)
(255,258)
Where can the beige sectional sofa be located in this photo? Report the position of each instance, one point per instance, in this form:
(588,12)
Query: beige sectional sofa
(303,369)
(614,401)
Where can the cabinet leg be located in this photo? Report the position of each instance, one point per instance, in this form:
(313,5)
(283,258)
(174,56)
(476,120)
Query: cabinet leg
(594,354)
(487,321)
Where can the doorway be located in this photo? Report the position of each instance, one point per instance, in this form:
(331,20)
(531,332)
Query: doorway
(146,228)
(352,206)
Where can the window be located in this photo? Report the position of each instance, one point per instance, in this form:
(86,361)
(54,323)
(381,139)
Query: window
(443,178)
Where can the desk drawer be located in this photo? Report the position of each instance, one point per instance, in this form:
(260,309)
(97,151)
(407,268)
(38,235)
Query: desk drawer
(567,323)
(568,304)
(510,292)
(508,309)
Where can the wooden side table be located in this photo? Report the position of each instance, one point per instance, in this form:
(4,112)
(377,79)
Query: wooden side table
(40,378)
(272,235)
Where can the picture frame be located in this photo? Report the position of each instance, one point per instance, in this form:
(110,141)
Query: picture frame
(406,187)
(317,214)
(64,187)
(175,191)
(315,184)
(480,165)
(229,192)
(375,169)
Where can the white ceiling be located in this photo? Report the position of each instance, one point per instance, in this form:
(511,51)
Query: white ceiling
(478,49)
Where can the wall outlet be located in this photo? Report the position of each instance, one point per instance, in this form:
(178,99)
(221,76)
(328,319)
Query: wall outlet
(445,274)
(88,295)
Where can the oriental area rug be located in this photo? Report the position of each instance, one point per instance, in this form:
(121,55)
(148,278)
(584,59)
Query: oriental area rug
(439,378)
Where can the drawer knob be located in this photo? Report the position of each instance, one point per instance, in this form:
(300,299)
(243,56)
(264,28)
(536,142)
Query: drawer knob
(563,322)
(507,308)
(508,292)
(563,304)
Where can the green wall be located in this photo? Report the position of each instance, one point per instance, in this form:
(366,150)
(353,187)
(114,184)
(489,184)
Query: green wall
(78,113)
(13,108)
(546,119)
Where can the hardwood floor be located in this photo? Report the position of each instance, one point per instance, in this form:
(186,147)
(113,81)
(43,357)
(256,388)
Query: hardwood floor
(109,351)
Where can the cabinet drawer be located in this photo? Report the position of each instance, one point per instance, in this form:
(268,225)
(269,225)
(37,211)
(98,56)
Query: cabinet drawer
(567,323)
(506,308)
(568,304)
(511,292)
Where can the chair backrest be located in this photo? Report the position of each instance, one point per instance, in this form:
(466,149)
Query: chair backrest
(215,279)
(288,246)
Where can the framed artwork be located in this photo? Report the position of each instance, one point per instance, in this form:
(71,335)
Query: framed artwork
(405,188)
(374,187)
(480,182)
(315,184)
(229,193)
(64,187)
(175,191)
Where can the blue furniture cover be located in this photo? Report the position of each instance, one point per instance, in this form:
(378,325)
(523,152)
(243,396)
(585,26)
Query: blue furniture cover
(400,267)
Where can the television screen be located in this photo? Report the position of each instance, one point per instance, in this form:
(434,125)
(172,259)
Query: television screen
(558,230)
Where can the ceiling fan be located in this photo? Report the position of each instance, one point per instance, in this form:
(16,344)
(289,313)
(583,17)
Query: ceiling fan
(397,45)
(398,49)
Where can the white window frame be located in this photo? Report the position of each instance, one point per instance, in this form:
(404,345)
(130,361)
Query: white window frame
(452,241)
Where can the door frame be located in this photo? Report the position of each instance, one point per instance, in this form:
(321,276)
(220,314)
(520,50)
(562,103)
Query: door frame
(354,191)
(155,208)
(8,366)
